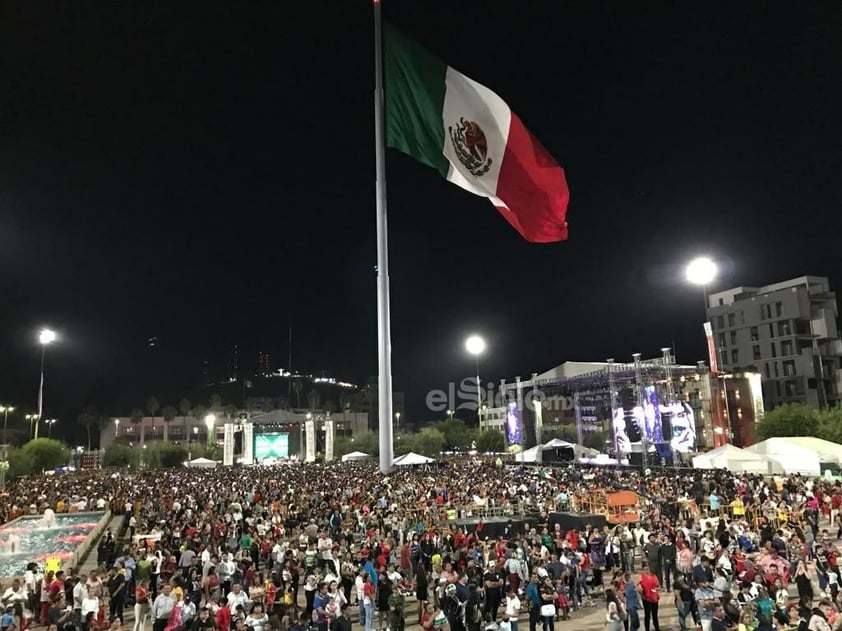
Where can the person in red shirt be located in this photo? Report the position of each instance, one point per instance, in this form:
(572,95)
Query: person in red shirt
(649,588)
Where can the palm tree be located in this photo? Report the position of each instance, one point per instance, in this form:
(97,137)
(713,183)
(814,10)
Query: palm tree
(313,399)
(215,401)
(152,407)
(296,387)
(137,417)
(229,411)
(87,418)
(184,408)
(169,413)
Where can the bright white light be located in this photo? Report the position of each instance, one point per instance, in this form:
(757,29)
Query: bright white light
(210,419)
(47,336)
(475,345)
(701,271)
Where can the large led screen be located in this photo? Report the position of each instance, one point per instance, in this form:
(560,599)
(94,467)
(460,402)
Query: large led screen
(271,446)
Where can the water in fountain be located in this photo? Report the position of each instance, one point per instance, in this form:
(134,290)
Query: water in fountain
(48,520)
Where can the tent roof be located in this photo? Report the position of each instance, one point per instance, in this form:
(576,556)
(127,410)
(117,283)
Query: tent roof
(732,453)
(202,461)
(355,455)
(557,443)
(411,459)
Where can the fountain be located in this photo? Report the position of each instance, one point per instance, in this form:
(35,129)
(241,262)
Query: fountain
(48,520)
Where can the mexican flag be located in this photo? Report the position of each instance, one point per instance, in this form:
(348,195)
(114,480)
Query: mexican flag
(469,135)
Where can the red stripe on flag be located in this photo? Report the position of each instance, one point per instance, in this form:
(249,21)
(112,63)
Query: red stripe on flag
(533,186)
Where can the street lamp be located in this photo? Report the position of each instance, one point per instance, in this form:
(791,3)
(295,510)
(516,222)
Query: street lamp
(5,409)
(475,346)
(31,418)
(45,338)
(701,271)
(450,414)
(398,419)
(50,422)
(116,427)
(210,419)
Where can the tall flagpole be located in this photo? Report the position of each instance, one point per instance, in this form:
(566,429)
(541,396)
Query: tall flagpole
(384,339)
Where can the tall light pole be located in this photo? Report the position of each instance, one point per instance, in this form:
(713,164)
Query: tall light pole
(475,346)
(210,419)
(702,271)
(116,427)
(31,418)
(45,338)
(5,409)
(50,422)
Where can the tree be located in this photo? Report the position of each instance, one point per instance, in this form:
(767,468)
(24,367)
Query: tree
(830,424)
(87,418)
(215,402)
(789,419)
(184,407)
(491,441)
(296,388)
(45,454)
(168,413)
(152,406)
(313,399)
(120,455)
(136,417)
(229,411)
(366,442)
(456,434)
(428,442)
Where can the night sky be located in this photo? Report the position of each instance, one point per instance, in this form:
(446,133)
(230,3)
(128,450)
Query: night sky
(204,173)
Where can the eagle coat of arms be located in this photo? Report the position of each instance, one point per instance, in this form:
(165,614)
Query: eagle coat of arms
(471,147)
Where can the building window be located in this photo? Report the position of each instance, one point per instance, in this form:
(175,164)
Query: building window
(786,348)
(789,368)
(777,373)
(765,312)
(784,328)
(774,350)
(771,331)
(722,339)
(732,320)
(778,387)
(735,355)
(723,356)
(768,371)
(721,301)
(720,322)
(742,317)
(779,309)
(754,334)
(733,338)
(755,353)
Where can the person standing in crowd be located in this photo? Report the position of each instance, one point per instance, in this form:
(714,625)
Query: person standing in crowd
(162,608)
(649,589)
(493,582)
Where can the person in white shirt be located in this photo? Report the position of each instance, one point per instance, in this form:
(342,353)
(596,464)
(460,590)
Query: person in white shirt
(90,603)
(80,591)
(237,597)
(512,609)
(15,594)
(325,548)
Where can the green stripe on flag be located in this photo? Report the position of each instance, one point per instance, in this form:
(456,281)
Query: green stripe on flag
(414,100)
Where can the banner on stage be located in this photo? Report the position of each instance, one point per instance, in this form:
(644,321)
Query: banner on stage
(228,445)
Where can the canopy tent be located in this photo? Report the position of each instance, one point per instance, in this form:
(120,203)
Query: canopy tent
(411,459)
(354,456)
(557,443)
(528,455)
(202,463)
(800,454)
(737,460)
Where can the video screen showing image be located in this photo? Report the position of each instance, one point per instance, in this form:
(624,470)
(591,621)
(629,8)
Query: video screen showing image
(513,436)
(659,424)
(271,446)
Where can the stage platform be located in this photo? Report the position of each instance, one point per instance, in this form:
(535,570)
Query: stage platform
(577,521)
(510,525)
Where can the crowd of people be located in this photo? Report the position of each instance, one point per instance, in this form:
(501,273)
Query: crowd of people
(313,547)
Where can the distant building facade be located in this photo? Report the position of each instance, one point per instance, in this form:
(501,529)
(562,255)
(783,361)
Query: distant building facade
(788,332)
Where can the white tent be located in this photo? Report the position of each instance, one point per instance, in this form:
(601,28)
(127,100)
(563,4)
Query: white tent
(411,459)
(528,455)
(557,443)
(800,454)
(202,463)
(737,460)
(355,455)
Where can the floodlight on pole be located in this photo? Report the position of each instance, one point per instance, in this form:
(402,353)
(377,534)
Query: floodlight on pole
(5,409)
(45,338)
(475,345)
